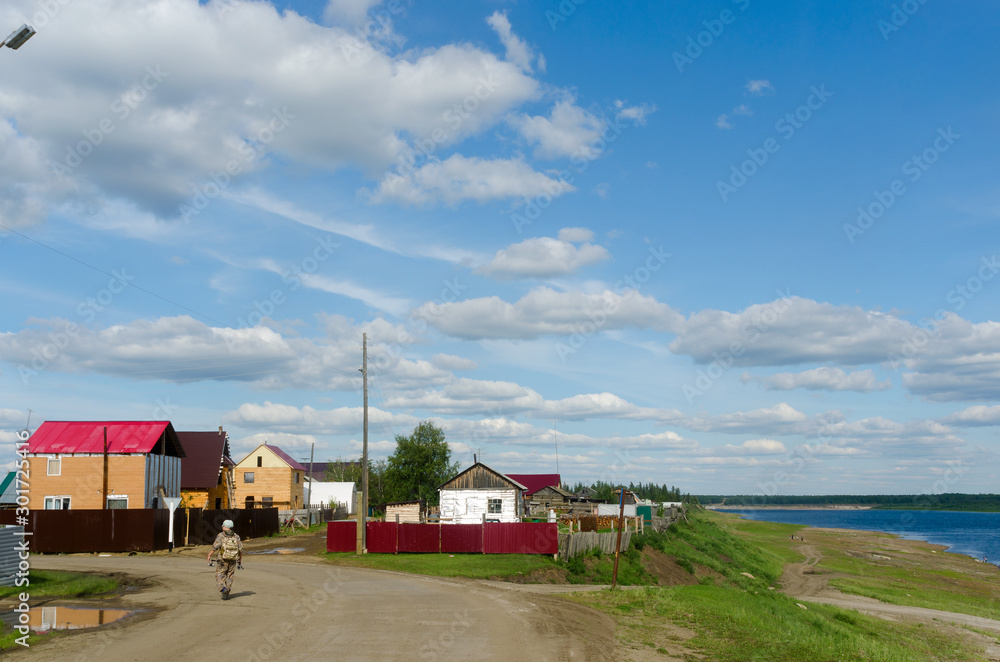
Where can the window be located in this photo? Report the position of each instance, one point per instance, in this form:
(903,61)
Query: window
(268,502)
(247,476)
(57,503)
(296,477)
(494,506)
(260,461)
(218,503)
(118,502)
(55,467)
(249,503)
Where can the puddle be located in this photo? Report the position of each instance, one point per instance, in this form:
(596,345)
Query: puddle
(279,550)
(44,619)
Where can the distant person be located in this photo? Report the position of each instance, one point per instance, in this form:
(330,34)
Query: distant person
(230,549)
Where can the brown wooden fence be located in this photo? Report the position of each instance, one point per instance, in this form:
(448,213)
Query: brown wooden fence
(133,530)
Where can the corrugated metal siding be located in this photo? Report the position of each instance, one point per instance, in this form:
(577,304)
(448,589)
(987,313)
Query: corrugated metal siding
(341,536)
(165,469)
(462,538)
(381,537)
(419,538)
(10,538)
(521,538)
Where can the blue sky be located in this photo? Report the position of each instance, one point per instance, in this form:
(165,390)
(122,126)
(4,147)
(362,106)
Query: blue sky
(735,247)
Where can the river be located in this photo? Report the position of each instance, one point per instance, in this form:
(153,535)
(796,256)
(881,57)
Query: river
(974,534)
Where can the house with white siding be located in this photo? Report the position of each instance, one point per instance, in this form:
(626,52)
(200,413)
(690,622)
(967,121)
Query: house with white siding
(481,494)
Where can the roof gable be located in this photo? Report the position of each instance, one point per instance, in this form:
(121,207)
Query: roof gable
(480,476)
(535,482)
(67,437)
(206,454)
(279,454)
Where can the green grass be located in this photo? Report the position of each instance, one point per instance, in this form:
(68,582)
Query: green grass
(596,568)
(736,625)
(474,566)
(51,583)
(287,531)
(734,617)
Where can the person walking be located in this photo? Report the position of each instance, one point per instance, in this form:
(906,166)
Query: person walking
(230,549)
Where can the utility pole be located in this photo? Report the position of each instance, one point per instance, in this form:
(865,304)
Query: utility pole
(310,490)
(555,439)
(363,515)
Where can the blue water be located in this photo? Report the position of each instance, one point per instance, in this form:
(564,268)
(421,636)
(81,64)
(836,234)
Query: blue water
(974,534)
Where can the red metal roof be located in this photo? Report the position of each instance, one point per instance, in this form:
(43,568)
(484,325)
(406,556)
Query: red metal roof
(535,482)
(88,437)
(286,457)
(207,453)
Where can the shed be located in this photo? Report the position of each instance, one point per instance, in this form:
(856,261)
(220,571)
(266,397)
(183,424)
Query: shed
(550,497)
(207,470)
(481,491)
(406,512)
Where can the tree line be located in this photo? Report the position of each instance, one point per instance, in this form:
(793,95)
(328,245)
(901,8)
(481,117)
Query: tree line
(951,501)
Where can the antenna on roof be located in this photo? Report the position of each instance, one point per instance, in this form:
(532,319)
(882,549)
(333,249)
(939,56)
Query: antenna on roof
(555,439)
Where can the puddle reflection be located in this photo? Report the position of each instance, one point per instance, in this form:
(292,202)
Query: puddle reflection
(44,619)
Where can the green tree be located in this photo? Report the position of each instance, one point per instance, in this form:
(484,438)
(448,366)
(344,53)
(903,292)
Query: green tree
(420,463)
(349,471)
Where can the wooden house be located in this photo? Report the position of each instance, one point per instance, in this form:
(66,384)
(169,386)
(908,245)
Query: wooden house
(550,497)
(269,478)
(480,493)
(406,512)
(206,470)
(81,465)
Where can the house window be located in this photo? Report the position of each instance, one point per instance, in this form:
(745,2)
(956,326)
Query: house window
(247,476)
(218,503)
(260,461)
(248,504)
(494,506)
(268,502)
(296,477)
(117,502)
(57,503)
(55,467)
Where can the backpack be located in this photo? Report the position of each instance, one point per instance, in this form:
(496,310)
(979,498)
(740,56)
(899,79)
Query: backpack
(230,548)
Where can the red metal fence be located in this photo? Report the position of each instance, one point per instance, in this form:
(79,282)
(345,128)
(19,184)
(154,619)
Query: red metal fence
(490,538)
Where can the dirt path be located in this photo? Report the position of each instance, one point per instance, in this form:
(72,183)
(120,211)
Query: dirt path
(803,582)
(294,608)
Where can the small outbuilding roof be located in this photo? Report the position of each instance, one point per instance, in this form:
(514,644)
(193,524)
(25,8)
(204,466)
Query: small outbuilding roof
(124,437)
(535,482)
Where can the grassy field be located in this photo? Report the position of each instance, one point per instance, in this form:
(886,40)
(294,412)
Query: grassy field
(733,616)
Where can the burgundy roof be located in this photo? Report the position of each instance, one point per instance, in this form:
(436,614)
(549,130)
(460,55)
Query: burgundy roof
(207,453)
(88,437)
(535,482)
(286,457)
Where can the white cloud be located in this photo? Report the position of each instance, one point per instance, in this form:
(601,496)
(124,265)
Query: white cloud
(759,87)
(758,447)
(287,419)
(955,360)
(252,87)
(636,114)
(792,330)
(517,51)
(544,311)
(779,419)
(542,257)
(568,131)
(827,379)
(575,235)
(743,109)
(459,178)
(723,122)
(450,362)
(979,415)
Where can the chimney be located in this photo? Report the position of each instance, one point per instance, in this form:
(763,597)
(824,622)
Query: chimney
(474,460)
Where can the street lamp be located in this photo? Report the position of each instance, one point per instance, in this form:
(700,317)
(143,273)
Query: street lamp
(17,38)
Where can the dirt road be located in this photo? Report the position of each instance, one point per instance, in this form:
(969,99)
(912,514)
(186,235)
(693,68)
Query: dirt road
(801,581)
(291,609)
